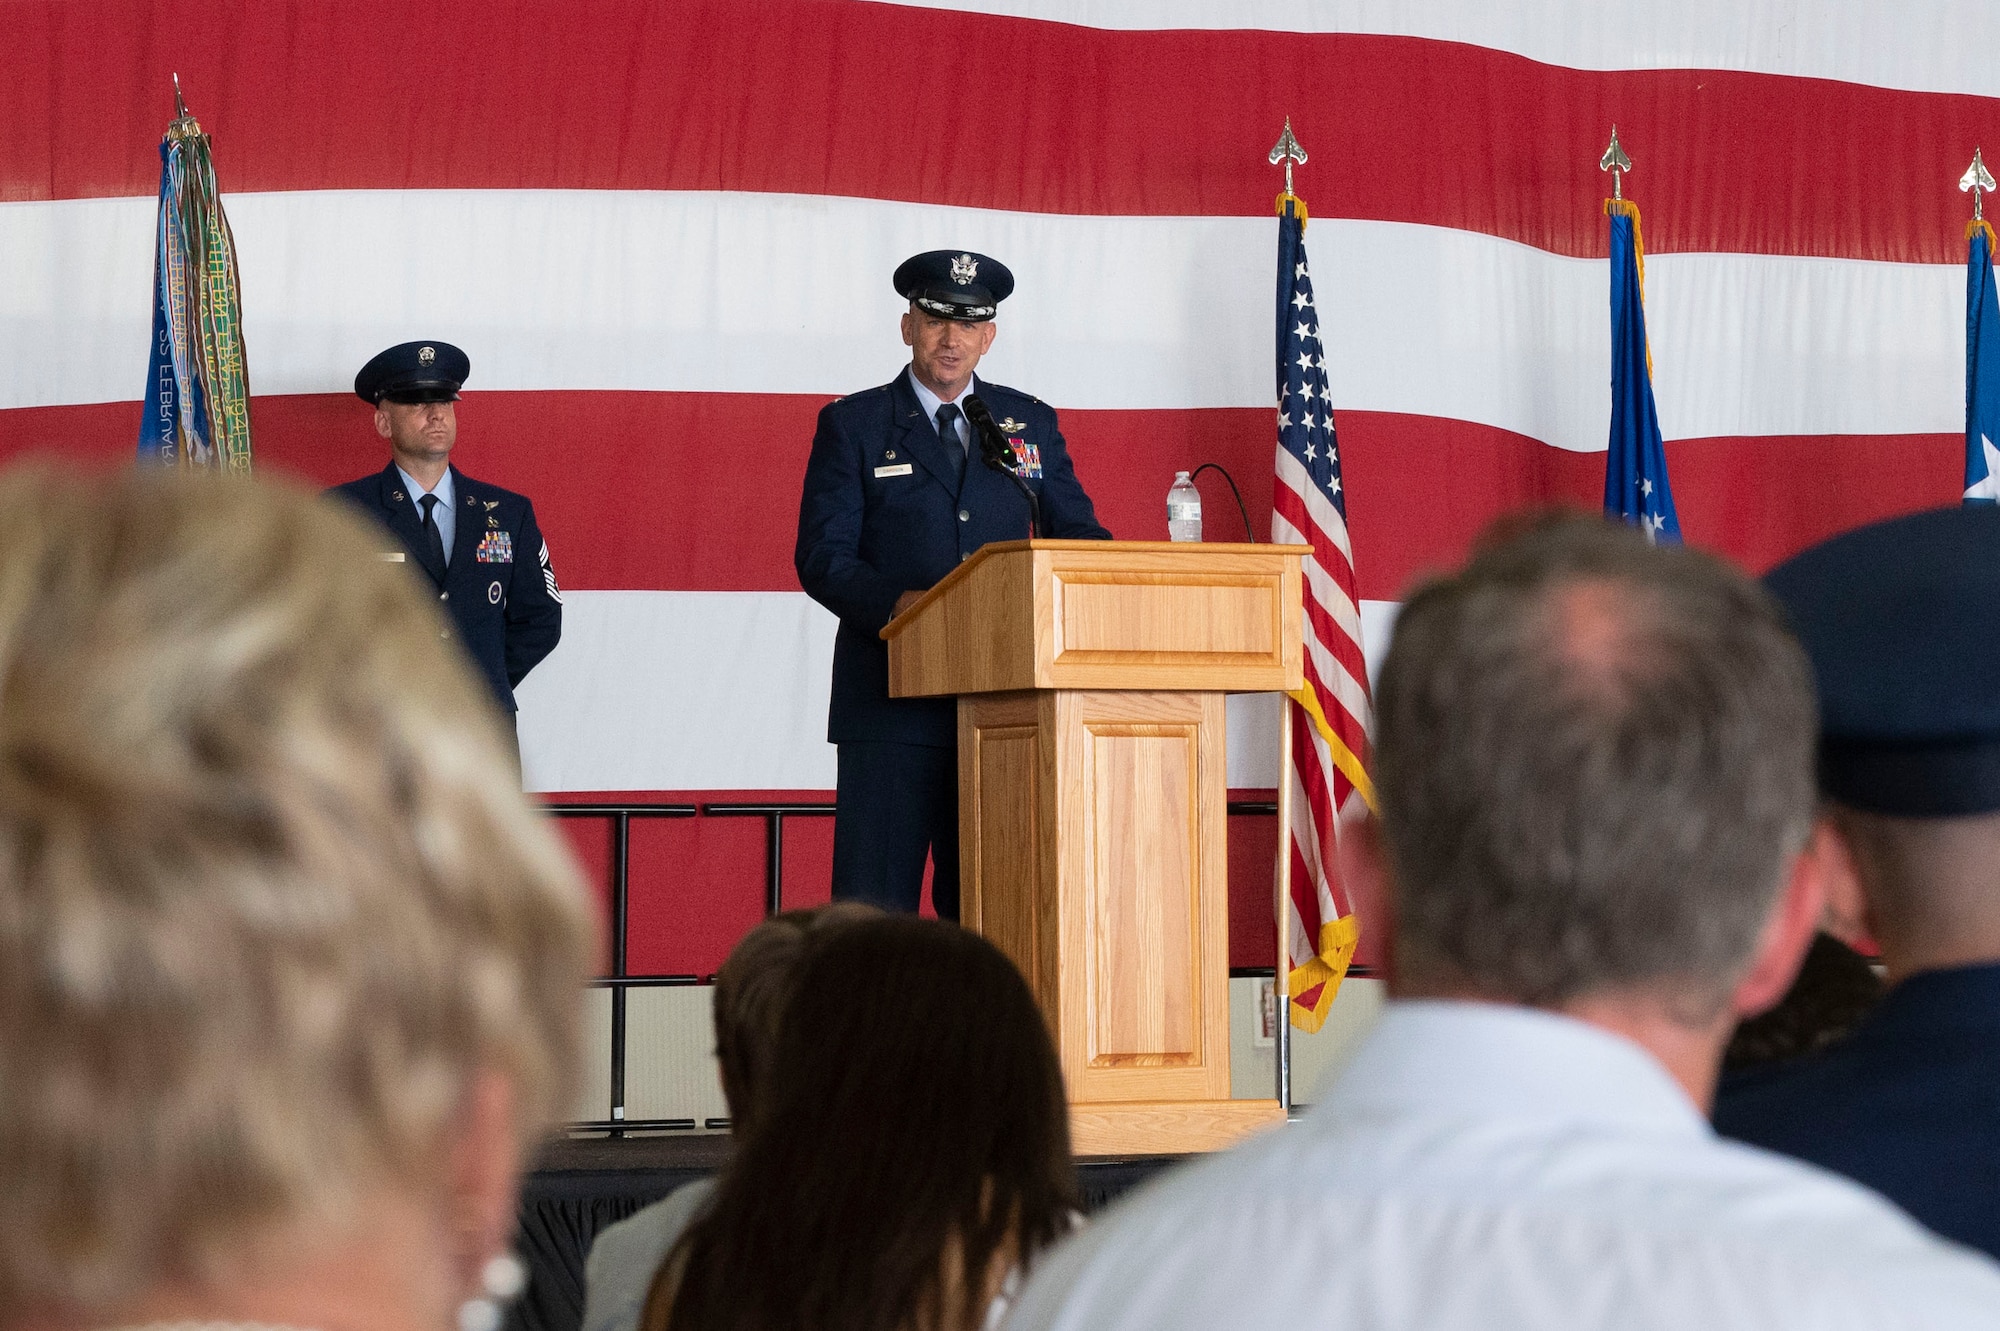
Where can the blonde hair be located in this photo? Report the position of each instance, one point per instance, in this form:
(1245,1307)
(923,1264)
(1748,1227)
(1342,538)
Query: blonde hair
(270,896)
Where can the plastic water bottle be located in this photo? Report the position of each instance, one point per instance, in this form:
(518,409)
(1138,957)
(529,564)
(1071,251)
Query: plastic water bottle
(1183,510)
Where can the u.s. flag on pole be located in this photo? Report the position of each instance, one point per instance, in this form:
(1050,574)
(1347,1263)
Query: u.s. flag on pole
(1330,712)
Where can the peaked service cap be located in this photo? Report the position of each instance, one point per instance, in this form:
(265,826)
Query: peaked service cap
(1899,619)
(955,284)
(414,372)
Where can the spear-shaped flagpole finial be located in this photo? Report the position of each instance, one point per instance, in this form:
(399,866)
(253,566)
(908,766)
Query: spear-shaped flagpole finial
(1287,150)
(1617,163)
(1978,180)
(184,124)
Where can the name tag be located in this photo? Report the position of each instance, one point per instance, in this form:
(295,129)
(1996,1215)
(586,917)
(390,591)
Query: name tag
(900,469)
(393,556)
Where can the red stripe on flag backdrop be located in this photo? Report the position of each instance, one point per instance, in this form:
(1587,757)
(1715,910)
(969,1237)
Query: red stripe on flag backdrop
(689,491)
(765,95)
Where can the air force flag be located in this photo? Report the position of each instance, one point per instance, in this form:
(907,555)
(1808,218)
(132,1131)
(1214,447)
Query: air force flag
(1635,467)
(1982,371)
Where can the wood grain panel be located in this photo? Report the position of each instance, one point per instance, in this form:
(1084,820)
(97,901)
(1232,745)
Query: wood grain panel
(1168,1127)
(1193,617)
(972,633)
(1008,762)
(1008,836)
(1140,949)
(1144,1009)
(1104,615)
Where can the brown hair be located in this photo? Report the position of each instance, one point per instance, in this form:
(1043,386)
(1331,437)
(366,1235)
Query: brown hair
(915,1142)
(270,896)
(1594,757)
(751,992)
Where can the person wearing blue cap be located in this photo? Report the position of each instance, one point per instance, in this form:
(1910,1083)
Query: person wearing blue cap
(477,545)
(1899,619)
(897,492)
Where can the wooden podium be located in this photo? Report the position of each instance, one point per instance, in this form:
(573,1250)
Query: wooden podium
(1092,781)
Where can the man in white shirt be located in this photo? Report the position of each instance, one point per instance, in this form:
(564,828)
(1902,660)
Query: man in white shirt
(1596,850)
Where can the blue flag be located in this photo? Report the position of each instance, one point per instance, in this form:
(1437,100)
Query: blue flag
(1635,468)
(1982,372)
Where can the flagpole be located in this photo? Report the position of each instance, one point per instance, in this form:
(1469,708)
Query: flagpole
(1281,980)
(1286,151)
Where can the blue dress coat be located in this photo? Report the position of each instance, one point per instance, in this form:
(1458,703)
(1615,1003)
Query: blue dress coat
(499,587)
(1909,1104)
(890,508)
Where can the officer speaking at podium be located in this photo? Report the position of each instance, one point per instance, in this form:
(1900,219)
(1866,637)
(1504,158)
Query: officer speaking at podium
(897,493)
(476,543)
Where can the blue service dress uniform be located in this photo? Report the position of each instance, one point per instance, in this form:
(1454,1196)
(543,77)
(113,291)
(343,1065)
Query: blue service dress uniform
(890,507)
(1909,1104)
(498,586)
(1897,620)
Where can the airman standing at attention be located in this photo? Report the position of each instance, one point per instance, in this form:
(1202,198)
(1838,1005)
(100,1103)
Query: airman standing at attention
(478,544)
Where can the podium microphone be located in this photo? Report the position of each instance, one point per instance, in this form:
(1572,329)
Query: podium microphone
(994,449)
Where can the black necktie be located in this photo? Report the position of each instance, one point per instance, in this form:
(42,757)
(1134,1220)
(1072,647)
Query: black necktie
(433,540)
(947,426)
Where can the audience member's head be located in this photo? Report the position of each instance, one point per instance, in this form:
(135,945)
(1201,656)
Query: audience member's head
(1899,620)
(1594,761)
(289,970)
(912,1146)
(752,991)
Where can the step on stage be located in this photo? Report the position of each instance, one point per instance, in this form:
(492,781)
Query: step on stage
(582,1185)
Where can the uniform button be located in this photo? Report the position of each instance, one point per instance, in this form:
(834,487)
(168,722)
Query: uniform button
(444,596)
(964,516)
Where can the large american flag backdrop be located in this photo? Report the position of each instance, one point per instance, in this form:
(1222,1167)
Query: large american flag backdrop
(664,231)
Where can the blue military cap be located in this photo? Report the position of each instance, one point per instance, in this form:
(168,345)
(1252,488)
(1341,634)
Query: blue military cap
(955,284)
(414,372)
(1902,622)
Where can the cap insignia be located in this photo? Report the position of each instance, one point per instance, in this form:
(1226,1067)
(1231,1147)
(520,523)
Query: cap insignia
(426,355)
(963,269)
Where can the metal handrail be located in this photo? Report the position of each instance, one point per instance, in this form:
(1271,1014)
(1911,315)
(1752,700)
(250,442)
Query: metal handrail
(618,982)
(774,816)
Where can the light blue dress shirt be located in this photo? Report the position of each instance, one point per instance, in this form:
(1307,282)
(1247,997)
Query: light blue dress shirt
(931,402)
(1481,1167)
(446,514)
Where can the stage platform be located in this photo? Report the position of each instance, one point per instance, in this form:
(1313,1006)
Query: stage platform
(581,1185)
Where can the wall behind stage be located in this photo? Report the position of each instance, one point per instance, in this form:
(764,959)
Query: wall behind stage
(663,231)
